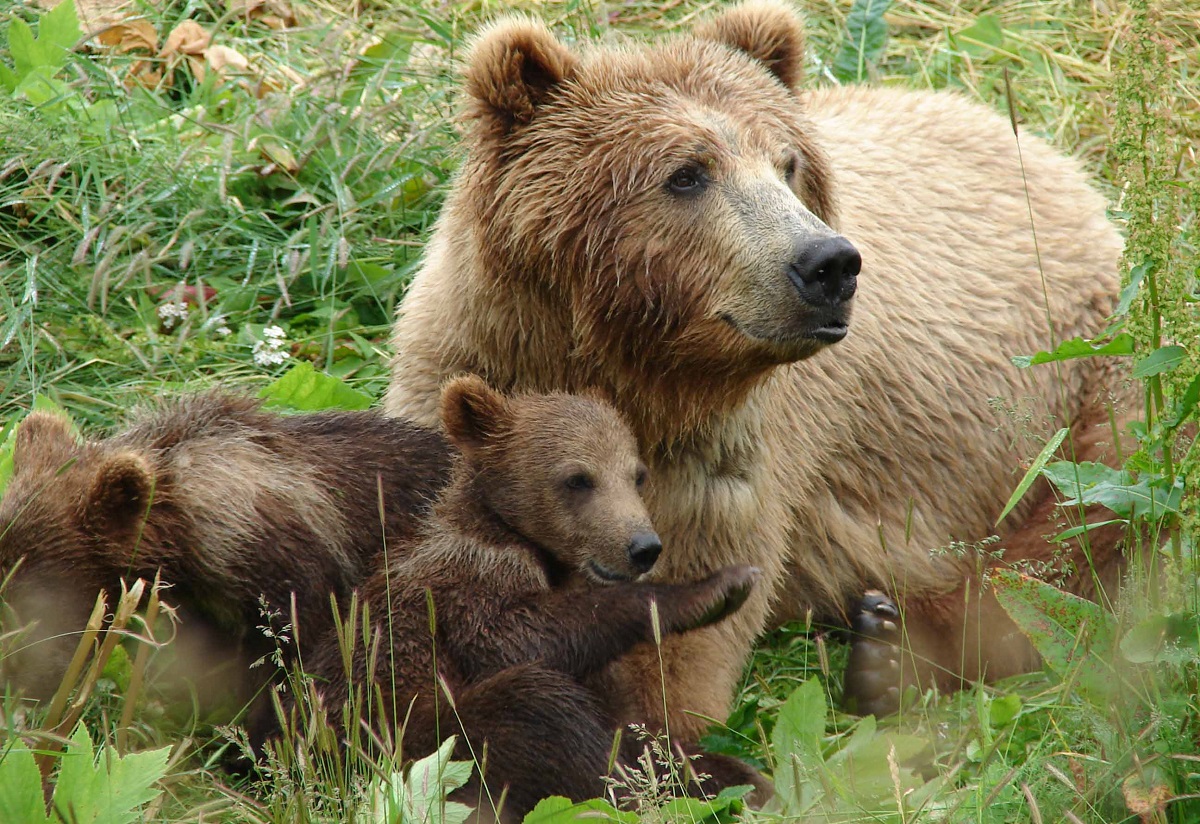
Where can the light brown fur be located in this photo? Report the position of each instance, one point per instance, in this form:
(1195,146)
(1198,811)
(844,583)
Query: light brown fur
(560,261)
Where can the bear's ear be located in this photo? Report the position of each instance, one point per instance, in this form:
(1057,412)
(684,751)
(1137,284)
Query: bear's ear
(473,413)
(771,33)
(513,67)
(45,441)
(120,494)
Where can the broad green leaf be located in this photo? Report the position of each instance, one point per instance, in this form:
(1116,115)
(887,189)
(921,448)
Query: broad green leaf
(1064,628)
(981,38)
(559,810)
(105,788)
(1090,483)
(24,49)
(1159,361)
(720,810)
(1032,473)
(796,743)
(21,797)
(866,37)
(1122,344)
(1004,709)
(801,722)
(58,32)
(307,390)
(8,78)
(1169,638)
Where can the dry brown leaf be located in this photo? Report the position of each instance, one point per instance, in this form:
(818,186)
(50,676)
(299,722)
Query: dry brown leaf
(224,59)
(188,38)
(1145,802)
(275,14)
(130,35)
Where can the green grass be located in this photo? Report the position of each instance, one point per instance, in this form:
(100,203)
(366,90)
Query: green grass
(298,195)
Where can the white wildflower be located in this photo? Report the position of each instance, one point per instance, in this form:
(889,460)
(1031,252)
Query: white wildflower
(172,312)
(270,350)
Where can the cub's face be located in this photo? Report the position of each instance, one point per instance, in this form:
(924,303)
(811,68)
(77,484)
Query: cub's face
(66,507)
(561,470)
(671,196)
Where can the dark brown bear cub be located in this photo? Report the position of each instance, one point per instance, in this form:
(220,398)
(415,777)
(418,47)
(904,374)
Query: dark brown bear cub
(530,561)
(231,503)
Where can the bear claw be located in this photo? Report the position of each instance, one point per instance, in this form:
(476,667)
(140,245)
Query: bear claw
(873,677)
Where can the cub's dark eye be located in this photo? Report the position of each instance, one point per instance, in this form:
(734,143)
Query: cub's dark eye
(689,180)
(790,168)
(641,478)
(579,482)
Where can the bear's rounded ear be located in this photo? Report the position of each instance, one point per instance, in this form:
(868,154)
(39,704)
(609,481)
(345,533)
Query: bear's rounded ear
(513,67)
(771,33)
(473,413)
(120,494)
(44,440)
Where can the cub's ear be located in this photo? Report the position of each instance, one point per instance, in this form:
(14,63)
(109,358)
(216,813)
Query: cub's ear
(771,33)
(44,441)
(120,494)
(513,67)
(473,413)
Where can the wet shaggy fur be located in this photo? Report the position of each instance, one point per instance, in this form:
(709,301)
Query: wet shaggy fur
(631,216)
(533,591)
(230,502)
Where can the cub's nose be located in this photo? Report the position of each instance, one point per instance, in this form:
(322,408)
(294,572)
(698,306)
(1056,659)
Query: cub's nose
(826,270)
(643,551)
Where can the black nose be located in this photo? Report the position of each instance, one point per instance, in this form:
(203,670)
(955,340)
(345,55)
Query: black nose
(643,550)
(826,270)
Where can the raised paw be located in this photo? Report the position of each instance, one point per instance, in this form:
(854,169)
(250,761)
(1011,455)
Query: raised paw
(732,587)
(873,677)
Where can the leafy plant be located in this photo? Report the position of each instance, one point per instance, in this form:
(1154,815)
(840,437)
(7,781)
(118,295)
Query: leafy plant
(93,786)
(866,39)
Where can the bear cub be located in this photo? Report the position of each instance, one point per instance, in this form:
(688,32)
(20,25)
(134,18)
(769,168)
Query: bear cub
(530,561)
(239,508)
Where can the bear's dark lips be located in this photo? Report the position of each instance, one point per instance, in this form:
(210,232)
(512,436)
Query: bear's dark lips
(831,331)
(606,575)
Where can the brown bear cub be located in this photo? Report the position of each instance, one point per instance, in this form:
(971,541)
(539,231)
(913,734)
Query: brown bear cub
(530,561)
(242,510)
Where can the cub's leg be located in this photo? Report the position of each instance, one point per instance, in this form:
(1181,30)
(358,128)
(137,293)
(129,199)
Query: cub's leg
(534,732)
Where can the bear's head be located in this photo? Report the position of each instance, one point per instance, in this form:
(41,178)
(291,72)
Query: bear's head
(562,471)
(68,509)
(670,195)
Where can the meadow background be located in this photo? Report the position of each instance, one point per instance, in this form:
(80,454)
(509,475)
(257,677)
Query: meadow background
(198,193)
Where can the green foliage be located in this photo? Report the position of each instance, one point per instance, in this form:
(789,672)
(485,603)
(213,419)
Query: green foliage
(421,794)
(36,60)
(866,39)
(304,389)
(1121,344)
(1074,636)
(1032,473)
(93,787)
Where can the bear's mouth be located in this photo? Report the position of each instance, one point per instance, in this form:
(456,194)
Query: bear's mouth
(831,330)
(605,575)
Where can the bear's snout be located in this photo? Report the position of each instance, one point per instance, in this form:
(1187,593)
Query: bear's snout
(643,551)
(825,271)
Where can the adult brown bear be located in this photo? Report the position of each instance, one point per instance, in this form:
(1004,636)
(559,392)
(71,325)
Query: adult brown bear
(680,224)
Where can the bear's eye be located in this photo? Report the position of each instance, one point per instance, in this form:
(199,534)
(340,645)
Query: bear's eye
(579,482)
(640,479)
(789,169)
(689,180)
